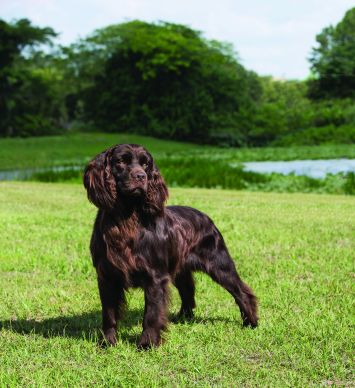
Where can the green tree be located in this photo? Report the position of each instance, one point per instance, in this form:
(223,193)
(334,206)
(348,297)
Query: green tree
(22,89)
(283,108)
(333,60)
(164,80)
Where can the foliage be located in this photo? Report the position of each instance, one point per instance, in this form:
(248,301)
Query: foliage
(183,164)
(335,112)
(333,61)
(16,36)
(27,96)
(78,148)
(199,172)
(283,108)
(176,84)
(167,81)
(349,186)
(344,134)
(286,116)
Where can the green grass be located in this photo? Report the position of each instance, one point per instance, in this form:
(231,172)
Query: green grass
(79,148)
(196,172)
(182,164)
(296,251)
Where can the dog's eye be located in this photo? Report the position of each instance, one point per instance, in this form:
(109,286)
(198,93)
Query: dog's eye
(120,164)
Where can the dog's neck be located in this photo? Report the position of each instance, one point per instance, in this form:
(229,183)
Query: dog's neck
(131,211)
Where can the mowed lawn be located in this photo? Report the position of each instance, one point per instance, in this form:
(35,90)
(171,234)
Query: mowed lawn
(295,250)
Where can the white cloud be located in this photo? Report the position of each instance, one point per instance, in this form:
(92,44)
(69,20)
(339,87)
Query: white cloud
(272,37)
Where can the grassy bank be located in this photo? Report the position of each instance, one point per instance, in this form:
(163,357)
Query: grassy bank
(182,164)
(197,172)
(79,148)
(296,251)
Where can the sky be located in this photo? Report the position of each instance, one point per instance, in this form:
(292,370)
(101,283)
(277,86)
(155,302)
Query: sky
(271,37)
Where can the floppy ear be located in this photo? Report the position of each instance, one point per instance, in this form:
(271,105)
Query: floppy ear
(157,193)
(99,181)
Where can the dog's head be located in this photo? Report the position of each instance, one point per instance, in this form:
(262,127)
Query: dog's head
(125,172)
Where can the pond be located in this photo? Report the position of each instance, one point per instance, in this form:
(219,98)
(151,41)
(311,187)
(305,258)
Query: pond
(312,168)
(23,174)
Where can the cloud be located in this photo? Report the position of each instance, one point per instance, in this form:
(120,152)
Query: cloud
(272,37)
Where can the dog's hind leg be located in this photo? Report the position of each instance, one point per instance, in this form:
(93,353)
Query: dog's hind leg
(185,284)
(220,266)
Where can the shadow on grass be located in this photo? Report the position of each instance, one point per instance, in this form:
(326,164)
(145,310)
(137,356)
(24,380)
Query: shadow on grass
(87,326)
(176,319)
(81,326)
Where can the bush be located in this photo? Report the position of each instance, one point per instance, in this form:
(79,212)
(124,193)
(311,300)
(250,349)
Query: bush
(166,80)
(204,172)
(330,134)
(35,125)
(349,185)
(333,112)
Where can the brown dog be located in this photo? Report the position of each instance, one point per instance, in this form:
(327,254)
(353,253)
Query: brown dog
(138,242)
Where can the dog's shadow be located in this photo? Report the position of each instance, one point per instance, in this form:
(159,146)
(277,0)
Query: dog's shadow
(81,326)
(88,325)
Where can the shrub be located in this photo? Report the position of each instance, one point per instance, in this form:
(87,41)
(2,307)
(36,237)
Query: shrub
(344,134)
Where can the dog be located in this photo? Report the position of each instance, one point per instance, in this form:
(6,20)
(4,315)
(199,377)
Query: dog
(137,241)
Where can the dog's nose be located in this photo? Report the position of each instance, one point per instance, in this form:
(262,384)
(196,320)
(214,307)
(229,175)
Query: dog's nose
(139,175)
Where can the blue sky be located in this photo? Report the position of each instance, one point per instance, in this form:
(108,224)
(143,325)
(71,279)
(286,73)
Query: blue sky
(272,37)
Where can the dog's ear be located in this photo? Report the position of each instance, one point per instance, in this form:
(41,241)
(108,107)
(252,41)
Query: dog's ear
(99,181)
(157,193)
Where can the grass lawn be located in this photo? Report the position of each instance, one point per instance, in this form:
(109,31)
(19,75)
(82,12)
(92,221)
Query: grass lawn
(296,251)
(79,148)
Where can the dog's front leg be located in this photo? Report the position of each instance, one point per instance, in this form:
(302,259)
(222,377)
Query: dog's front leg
(112,300)
(155,312)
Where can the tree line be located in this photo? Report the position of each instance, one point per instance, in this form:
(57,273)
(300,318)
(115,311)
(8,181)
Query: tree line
(166,80)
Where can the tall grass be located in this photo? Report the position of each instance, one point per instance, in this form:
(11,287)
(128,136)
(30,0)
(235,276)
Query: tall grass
(216,173)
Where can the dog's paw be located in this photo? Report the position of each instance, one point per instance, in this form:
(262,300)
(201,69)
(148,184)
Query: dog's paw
(253,323)
(109,338)
(149,339)
(183,316)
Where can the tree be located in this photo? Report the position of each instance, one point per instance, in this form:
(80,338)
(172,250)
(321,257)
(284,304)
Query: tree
(163,80)
(283,108)
(20,86)
(333,60)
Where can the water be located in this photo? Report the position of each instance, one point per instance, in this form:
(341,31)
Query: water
(23,174)
(312,168)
